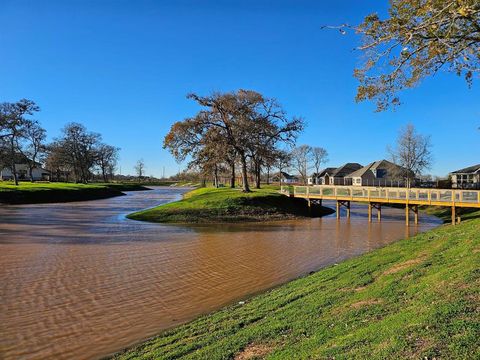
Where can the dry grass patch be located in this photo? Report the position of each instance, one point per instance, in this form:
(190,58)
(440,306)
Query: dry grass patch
(401,266)
(360,288)
(368,302)
(254,351)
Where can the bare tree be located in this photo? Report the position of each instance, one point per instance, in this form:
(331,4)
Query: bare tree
(57,162)
(412,152)
(319,157)
(284,161)
(140,168)
(107,157)
(302,161)
(77,148)
(4,153)
(13,123)
(33,148)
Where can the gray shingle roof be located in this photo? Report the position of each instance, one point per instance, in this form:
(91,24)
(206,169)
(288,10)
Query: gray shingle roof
(329,171)
(346,169)
(469,170)
(383,164)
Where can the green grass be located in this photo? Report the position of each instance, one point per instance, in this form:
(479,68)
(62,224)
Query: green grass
(41,192)
(418,298)
(445,213)
(227,205)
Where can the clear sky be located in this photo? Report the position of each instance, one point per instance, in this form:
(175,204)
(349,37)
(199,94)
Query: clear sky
(123,68)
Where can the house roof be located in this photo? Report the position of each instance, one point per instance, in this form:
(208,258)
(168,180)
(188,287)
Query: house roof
(469,170)
(288,176)
(21,159)
(329,170)
(382,164)
(346,169)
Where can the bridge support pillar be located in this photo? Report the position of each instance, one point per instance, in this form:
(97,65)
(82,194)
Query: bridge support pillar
(454,215)
(372,206)
(407,215)
(414,208)
(341,203)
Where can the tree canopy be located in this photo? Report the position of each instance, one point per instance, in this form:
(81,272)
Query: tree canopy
(241,125)
(416,40)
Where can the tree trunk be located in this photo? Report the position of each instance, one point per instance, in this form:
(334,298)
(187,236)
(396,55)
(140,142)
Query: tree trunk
(14,168)
(243,159)
(30,171)
(232,179)
(14,172)
(257,182)
(257,173)
(280,173)
(215,178)
(268,175)
(257,176)
(104,173)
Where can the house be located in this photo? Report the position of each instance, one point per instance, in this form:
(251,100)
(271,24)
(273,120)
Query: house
(23,172)
(285,178)
(319,178)
(379,173)
(468,178)
(335,176)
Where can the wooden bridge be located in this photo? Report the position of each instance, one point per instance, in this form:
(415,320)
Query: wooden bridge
(412,198)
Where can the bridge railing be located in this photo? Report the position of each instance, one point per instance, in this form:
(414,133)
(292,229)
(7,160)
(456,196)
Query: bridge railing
(448,196)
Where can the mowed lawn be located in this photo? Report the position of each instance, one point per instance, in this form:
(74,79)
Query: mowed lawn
(418,298)
(28,192)
(228,205)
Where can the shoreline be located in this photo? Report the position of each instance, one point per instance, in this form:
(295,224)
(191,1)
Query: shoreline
(200,325)
(43,193)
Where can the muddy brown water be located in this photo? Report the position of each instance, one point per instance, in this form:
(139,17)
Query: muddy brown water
(80,281)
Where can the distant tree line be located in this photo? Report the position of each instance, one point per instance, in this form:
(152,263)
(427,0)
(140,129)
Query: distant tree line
(75,155)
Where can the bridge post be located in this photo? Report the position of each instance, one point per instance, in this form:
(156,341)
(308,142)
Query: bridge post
(407,213)
(415,211)
(369,212)
(338,209)
(379,212)
(454,219)
(348,209)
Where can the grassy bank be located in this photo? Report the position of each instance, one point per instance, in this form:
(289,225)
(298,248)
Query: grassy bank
(417,298)
(445,213)
(227,205)
(27,192)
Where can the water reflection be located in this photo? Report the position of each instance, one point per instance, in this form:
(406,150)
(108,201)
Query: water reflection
(79,280)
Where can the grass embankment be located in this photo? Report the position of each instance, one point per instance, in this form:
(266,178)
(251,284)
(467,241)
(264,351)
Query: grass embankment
(445,213)
(417,298)
(27,192)
(208,205)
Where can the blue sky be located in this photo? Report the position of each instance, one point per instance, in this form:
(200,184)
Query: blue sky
(123,69)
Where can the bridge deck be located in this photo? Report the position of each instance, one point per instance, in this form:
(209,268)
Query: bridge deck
(412,196)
